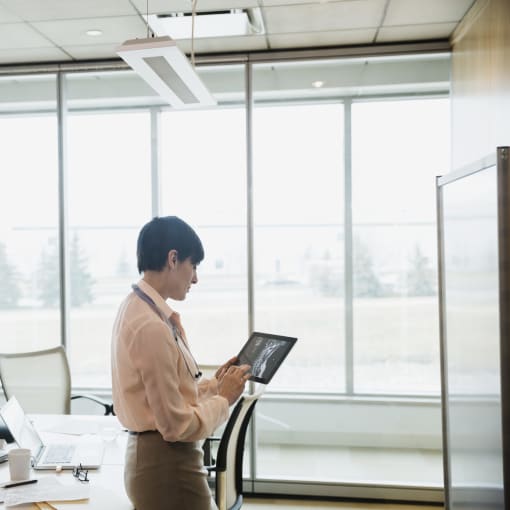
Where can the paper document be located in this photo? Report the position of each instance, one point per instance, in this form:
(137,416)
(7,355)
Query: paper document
(48,488)
(99,499)
(73,427)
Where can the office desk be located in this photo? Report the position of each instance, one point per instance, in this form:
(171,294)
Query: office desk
(106,483)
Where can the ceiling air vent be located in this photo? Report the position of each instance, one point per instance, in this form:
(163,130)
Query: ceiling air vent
(228,23)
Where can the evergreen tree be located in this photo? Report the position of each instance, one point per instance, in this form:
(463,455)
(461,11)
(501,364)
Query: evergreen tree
(420,277)
(48,281)
(365,282)
(10,291)
(81,281)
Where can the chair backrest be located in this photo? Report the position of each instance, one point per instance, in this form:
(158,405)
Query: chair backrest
(40,380)
(229,457)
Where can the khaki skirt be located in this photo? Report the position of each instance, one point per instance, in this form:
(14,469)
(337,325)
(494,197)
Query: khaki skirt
(159,475)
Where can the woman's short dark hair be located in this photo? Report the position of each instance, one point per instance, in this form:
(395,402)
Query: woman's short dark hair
(161,235)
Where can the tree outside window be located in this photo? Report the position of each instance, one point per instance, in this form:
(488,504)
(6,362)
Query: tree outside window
(81,281)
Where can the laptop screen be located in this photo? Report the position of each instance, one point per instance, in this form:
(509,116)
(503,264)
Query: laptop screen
(265,353)
(20,427)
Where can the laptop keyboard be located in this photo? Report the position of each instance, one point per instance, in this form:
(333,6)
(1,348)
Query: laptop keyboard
(59,454)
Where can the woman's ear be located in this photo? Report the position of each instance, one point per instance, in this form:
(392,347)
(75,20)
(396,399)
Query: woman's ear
(172,258)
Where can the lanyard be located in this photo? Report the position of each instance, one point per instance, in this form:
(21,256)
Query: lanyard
(144,297)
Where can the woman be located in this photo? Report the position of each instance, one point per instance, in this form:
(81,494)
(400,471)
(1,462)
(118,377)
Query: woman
(158,392)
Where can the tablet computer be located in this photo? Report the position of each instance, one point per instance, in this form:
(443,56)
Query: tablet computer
(265,353)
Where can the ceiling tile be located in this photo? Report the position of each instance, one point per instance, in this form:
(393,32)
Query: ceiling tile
(21,35)
(415,32)
(38,10)
(410,12)
(324,16)
(7,16)
(32,55)
(92,51)
(289,24)
(314,39)
(72,32)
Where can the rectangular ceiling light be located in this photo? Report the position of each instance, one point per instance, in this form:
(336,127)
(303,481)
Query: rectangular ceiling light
(167,70)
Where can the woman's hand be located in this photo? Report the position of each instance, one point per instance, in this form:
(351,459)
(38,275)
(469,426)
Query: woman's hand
(223,369)
(232,381)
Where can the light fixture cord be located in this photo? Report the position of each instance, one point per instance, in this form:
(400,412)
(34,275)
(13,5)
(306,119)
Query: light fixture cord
(147,17)
(193,12)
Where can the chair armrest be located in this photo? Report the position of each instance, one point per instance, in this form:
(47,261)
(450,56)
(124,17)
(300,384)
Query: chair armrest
(108,406)
(209,461)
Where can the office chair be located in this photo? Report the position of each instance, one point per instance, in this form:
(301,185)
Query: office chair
(228,465)
(41,381)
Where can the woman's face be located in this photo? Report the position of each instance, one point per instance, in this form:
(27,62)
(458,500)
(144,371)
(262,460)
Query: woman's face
(184,275)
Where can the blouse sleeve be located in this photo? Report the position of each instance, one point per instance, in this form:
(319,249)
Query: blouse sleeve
(178,412)
(207,388)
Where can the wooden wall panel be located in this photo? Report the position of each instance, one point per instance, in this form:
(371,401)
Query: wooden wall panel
(481,82)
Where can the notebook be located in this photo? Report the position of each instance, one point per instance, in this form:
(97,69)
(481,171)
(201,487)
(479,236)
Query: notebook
(265,352)
(66,455)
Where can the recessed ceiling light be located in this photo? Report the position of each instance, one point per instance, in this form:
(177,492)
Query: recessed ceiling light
(317,84)
(94,32)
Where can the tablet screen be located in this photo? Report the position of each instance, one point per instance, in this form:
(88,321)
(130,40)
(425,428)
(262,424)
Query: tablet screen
(265,353)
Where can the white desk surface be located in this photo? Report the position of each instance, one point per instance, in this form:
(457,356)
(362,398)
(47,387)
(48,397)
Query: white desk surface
(106,483)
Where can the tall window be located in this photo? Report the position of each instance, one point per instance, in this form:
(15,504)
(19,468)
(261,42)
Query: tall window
(399,146)
(370,336)
(109,199)
(28,219)
(299,239)
(203,181)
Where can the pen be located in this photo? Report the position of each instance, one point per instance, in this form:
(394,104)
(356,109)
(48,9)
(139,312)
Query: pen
(16,484)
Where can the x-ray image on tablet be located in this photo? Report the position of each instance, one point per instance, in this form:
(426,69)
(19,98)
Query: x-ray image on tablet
(265,353)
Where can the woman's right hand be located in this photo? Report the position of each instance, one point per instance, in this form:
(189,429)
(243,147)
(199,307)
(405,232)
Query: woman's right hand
(233,381)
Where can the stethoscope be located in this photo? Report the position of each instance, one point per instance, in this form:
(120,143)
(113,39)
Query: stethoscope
(177,335)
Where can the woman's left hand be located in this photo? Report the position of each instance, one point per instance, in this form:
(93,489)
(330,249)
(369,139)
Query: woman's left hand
(223,369)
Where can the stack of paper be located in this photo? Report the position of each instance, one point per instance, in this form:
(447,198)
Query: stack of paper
(48,488)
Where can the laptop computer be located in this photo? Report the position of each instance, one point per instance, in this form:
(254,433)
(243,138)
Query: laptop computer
(65,455)
(265,352)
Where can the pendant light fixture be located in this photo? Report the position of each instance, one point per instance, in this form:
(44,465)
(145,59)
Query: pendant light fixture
(159,62)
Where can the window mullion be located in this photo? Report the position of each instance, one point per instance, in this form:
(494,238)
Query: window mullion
(348,260)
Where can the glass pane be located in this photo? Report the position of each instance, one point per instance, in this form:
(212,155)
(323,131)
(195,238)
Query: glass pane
(299,240)
(398,149)
(474,313)
(109,200)
(28,228)
(350,441)
(28,93)
(206,187)
(355,77)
